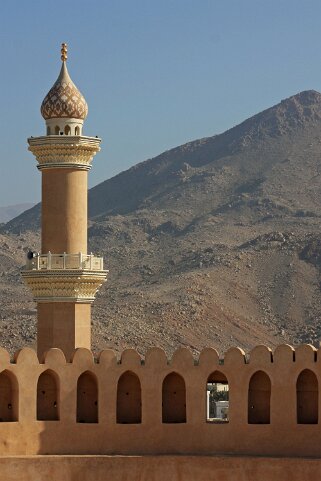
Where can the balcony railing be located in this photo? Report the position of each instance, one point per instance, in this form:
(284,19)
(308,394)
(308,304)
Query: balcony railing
(65,262)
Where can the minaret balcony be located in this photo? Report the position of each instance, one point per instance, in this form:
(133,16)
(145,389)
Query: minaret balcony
(64,277)
(65,261)
(65,151)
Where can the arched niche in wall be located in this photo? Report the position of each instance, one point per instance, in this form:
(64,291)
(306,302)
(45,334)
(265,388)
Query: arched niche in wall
(48,396)
(77,131)
(217,398)
(9,397)
(307,393)
(57,130)
(259,399)
(67,130)
(48,130)
(87,398)
(129,399)
(174,399)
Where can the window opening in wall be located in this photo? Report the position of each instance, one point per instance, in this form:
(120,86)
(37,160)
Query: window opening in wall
(47,397)
(174,399)
(67,130)
(48,130)
(77,130)
(259,398)
(57,130)
(8,397)
(87,398)
(129,399)
(307,393)
(217,398)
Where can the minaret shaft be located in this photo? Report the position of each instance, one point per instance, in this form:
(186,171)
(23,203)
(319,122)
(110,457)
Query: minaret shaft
(64,211)
(66,325)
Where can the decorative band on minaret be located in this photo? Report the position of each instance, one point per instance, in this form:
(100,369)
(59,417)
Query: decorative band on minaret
(64,278)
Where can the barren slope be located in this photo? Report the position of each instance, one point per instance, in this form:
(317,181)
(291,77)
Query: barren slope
(215,242)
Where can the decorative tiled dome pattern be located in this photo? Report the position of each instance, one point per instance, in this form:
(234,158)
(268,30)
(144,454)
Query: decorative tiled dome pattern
(64,100)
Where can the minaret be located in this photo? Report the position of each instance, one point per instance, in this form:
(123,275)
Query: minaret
(63,277)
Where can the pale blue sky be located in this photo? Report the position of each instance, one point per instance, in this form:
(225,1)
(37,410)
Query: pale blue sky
(155,74)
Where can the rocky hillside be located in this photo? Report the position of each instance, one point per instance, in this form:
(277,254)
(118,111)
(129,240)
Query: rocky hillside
(215,242)
(9,212)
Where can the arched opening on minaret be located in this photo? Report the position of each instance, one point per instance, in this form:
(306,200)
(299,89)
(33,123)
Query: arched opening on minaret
(48,396)
(217,398)
(77,131)
(307,393)
(174,399)
(259,398)
(87,398)
(48,130)
(9,397)
(67,130)
(129,399)
(57,130)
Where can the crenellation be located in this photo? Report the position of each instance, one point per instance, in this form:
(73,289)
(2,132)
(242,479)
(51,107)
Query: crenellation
(284,354)
(156,357)
(25,356)
(130,357)
(208,356)
(124,403)
(83,357)
(235,356)
(53,357)
(107,358)
(261,354)
(306,353)
(182,358)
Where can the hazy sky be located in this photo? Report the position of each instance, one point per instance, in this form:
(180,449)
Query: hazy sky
(155,74)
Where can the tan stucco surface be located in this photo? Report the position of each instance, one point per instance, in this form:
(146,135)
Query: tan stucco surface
(157,468)
(98,397)
(64,211)
(63,324)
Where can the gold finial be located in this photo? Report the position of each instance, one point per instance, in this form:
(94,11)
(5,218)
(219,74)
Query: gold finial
(64,55)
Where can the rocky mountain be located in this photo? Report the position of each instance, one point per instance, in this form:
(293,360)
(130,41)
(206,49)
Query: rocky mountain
(9,212)
(215,242)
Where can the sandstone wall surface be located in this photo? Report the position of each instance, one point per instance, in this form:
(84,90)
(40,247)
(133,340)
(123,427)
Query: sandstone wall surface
(157,468)
(110,406)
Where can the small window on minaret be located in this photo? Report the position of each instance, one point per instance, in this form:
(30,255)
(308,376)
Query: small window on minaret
(48,130)
(67,130)
(77,130)
(57,129)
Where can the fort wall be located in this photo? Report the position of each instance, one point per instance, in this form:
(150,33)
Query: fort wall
(157,468)
(158,406)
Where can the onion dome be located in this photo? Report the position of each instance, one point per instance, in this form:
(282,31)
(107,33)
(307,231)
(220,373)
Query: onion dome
(64,100)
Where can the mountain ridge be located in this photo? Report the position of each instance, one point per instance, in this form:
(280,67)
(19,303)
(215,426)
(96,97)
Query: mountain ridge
(274,121)
(215,242)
